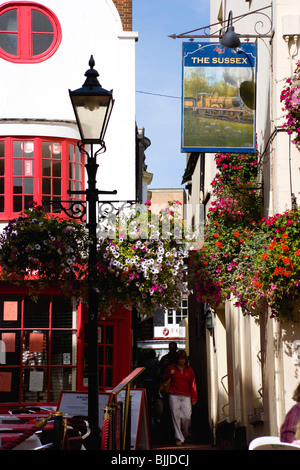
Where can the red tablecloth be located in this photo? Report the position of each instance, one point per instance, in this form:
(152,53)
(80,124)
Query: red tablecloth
(31,443)
(13,427)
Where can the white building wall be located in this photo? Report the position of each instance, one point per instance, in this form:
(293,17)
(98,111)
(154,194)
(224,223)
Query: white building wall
(263,360)
(286,158)
(39,91)
(218,391)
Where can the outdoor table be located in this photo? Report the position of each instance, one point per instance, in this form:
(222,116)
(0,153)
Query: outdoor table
(8,418)
(31,442)
(22,427)
(13,426)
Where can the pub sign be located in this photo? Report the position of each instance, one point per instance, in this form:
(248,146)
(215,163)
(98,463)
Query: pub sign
(218,98)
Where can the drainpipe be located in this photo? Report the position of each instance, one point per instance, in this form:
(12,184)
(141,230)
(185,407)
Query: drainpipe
(278,380)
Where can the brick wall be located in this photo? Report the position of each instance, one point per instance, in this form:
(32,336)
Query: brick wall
(124,8)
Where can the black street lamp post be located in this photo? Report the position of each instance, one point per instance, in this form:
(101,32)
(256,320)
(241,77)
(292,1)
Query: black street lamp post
(92,107)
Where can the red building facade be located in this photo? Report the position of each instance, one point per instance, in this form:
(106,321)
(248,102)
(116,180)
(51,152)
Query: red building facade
(43,345)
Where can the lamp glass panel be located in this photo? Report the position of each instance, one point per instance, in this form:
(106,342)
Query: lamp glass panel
(91,113)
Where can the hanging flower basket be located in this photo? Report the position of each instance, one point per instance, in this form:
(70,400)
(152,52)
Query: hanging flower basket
(290,97)
(45,249)
(252,261)
(278,263)
(236,203)
(143,265)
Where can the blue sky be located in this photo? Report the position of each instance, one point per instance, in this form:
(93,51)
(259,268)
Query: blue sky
(158,72)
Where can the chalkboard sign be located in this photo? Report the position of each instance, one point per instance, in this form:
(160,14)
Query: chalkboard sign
(140,434)
(76,404)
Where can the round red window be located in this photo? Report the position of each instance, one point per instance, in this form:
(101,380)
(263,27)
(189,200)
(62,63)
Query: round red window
(29,32)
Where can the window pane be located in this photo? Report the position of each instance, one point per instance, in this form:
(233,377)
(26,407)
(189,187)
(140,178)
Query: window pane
(56,207)
(18,185)
(28,186)
(56,168)
(10,312)
(2,167)
(108,377)
(71,152)
(27,200)
(56,187)
(1,148)
(8,21)
(41,42)
(17,148)
(47,205)
(12,380)
(2,202)
(71,171)
(40,22)
(36,314)
(62,312)
(62,378)
(109,334)
(46,168)
(63,348)
(46,186)
(78,155)
(109,355)
(178,316)
(8,42)
(101,379)
(17,167)
(28,148)
(78,173)
(46,149)
(17,204)
(12,345)
(35,385)
(56,150)
(35,348)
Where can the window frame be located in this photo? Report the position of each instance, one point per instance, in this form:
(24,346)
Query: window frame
(37,160)
(108,355)
(18,367)
(24,33)
(175,316)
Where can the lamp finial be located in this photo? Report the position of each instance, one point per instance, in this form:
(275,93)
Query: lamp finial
(91,62)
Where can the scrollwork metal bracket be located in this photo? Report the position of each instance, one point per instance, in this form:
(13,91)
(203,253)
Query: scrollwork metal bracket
(73,209)
(77,209)
(208,32)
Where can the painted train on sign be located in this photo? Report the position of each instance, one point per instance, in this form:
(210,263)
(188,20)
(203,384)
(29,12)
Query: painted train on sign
(218,107)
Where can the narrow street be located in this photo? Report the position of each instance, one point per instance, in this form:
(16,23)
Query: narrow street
(183,448)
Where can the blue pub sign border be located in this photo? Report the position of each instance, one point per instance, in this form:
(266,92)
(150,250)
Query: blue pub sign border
(218,98)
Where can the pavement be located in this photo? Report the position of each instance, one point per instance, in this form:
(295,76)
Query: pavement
(183,448)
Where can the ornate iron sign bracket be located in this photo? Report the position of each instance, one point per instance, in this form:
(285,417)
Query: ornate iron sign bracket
(77,209)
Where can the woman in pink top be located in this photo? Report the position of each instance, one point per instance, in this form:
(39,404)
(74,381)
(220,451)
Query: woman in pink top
(289,429)
(182,395)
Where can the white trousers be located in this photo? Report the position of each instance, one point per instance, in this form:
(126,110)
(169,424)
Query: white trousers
(181,410)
